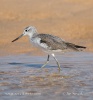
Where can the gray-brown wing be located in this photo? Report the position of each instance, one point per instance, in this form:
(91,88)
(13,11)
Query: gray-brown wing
(53,42)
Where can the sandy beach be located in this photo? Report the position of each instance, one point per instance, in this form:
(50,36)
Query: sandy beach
(70,20)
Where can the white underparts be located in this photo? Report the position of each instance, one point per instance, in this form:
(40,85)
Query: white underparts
(36,42)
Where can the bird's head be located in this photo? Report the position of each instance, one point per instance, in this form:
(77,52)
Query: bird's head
(30,31)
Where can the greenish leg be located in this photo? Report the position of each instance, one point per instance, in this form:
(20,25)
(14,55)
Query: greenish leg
(56,62)
(46,62)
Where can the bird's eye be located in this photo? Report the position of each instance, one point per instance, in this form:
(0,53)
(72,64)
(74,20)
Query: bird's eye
(26,30)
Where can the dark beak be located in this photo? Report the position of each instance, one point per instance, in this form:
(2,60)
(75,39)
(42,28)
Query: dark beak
(17,38)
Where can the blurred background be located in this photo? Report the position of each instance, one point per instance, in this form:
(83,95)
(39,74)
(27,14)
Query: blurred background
(71,20)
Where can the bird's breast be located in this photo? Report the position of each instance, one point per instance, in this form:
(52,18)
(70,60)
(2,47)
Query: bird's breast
(37,42)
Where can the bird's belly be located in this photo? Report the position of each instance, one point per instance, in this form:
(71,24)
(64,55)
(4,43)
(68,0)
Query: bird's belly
(54,51)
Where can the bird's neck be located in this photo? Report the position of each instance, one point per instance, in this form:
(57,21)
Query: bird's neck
(32,34)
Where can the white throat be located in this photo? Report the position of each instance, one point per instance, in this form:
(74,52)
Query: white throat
(31,34)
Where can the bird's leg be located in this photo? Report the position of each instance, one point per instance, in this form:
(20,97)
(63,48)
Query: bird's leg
(56,61)
(46,62)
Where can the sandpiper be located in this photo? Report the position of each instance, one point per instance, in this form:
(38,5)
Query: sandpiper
(48,43)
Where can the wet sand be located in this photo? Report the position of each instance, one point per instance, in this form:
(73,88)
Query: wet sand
(22,78)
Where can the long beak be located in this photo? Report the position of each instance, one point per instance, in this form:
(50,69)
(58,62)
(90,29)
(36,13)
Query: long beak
(18,38)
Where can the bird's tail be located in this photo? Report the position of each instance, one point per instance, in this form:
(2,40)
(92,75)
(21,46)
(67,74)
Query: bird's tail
(75,47)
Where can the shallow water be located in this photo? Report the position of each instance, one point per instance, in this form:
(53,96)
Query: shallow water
(22,78)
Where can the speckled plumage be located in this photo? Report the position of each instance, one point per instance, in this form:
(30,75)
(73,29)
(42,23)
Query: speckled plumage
(55,43)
